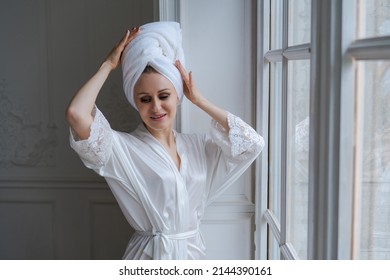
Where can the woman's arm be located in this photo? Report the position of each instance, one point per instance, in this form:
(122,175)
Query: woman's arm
(79,111)
(192,93)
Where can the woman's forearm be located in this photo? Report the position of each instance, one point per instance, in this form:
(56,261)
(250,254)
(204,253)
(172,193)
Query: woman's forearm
(215,112)
(79,111)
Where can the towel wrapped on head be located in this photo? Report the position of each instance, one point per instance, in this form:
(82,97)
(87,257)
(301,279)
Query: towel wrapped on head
(159,45)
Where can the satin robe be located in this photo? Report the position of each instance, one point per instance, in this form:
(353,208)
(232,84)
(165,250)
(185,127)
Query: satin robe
(165,205)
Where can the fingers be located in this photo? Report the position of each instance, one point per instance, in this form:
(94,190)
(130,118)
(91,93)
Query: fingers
(124,39)
(190,78)
(190,90)
(187,77)
(129,36)
(134,31)
(179,67)
(182,71)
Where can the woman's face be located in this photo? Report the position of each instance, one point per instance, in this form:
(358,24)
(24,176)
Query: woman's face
(156,100)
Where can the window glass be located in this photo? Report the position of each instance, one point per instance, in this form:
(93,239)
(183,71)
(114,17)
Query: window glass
(299,12)
(276,24)
(275,138)
(298,154)
(374,176)
(374,18)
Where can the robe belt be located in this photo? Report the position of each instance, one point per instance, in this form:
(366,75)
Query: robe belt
(162,249)
(175,236)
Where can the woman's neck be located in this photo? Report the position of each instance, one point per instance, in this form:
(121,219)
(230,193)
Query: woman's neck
(167,139)
(164,136)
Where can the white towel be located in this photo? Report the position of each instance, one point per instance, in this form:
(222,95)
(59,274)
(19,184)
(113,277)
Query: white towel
(158,44)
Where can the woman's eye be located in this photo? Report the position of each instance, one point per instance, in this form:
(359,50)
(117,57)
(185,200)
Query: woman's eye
(145,99)
(164,96)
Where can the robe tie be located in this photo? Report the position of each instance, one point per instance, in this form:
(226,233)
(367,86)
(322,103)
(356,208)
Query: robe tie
(162,243)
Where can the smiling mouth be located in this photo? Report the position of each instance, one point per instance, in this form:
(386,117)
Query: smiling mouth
(158,117)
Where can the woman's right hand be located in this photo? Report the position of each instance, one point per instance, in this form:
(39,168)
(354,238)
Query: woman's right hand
(114,57)
(79,111)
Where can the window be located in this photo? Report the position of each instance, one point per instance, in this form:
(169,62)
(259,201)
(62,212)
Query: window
(373,185)
(372,83)
(287,80)
(324,102)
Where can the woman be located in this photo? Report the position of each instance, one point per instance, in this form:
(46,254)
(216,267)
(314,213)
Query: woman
(162,180)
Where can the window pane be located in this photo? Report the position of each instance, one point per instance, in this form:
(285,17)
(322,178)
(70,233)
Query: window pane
(374,183)
(299,22)
(276,24)
(374,18)
(275,138)
(298,154)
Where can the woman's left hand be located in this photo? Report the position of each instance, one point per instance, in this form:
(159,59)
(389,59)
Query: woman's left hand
(190,91)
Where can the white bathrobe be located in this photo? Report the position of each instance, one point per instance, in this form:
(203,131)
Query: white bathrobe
(163,204)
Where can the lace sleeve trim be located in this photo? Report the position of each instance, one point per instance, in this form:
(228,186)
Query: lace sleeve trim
(95,149)
(241,142)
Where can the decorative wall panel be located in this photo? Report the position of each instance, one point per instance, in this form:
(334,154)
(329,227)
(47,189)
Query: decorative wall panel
(229,237)
(33,217)
(108,226)
(28,134)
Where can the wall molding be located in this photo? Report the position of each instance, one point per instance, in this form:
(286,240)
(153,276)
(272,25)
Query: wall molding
(169,10)
(52,183)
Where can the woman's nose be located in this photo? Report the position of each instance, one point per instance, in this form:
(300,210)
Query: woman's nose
(156,105)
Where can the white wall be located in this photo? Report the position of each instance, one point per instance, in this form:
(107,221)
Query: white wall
(218,47)
(217,40)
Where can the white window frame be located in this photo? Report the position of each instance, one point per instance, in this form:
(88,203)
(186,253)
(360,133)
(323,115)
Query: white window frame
(265,217)
(375,48)
(333,161)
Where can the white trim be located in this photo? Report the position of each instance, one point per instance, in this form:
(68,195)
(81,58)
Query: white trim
(169,10)
(372,48)
(274,56)
(357,185)
(347,135)
(284,134)
(262,103)
(297,52)
(273,224)
(288,252)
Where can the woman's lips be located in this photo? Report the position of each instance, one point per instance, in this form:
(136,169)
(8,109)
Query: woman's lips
(158,117)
